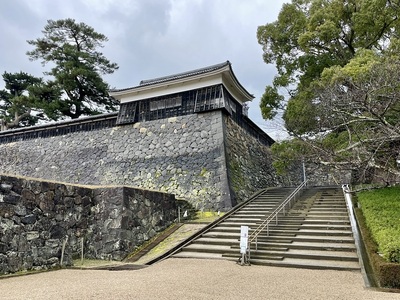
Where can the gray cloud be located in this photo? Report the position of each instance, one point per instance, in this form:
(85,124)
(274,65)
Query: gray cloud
(152,38)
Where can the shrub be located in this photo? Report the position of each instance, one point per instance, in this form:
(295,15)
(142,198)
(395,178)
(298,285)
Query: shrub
(381,209)
(385,274)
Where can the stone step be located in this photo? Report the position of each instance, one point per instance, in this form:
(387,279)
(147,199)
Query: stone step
(328,210)
(206,255)
(326,213)
(314,233)
(245,220)
(326,218)
(268,205)
(233,253)
(265,203)
(303,254)
(283,229)
(308,264)
(305,238)
(325,246)
(256,209)
(233,243)
(251,215)
(325,226)
(235,226)
(313,221)
(198,247)
(253,224)
(326,203)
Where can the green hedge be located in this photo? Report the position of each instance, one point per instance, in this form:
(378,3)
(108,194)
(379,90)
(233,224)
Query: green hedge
(386,274)
(379,228)
(381,209)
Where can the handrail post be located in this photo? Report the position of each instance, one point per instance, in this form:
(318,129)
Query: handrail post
(275,214)
(249,254)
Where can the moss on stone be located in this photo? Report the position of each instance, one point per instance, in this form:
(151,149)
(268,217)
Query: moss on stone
(203,172)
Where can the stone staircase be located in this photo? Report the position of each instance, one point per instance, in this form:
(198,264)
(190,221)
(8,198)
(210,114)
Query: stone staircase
(314,233)
(224,238)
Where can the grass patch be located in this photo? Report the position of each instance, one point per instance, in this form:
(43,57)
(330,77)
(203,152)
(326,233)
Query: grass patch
(148,243)
(206,216)
(381,209)
(89,263)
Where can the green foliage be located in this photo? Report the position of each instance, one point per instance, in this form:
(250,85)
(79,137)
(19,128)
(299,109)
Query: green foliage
(360,103)
(78,66)
(381,209)
(288,153)
(16,101)
(339,62)
(357,69)
(270,102)
(300,114)
(46,96)
(310,36)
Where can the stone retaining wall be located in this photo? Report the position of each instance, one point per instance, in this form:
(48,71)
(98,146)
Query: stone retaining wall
(316,175)
(190,156)
(37,216)
(249,163)
(180,155)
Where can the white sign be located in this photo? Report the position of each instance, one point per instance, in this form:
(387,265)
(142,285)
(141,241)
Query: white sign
(244,237)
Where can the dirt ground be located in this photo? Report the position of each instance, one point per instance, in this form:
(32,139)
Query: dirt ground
(187,279)
(191,279)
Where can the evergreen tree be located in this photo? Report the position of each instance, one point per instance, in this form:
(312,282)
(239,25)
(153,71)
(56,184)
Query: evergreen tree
(78,65)
(16,103)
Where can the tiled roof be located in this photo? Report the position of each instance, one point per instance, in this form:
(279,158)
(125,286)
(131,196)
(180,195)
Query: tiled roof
(178,76)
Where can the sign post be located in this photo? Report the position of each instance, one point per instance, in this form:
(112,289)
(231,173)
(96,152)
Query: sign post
(244,238)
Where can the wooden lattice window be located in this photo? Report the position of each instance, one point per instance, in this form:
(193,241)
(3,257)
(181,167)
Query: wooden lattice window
(209,98)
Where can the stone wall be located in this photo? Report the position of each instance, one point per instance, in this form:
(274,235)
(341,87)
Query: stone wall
(249,162)
(316,175)
(36,217)
(180,155)
(190,156)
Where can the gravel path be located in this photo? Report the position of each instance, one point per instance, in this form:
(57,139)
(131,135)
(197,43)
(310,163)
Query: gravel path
(191,279)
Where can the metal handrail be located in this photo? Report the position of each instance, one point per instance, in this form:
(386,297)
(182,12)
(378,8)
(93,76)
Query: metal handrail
(273,215)
(199,233)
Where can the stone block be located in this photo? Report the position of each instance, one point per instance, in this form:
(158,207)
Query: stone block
(28,219)
(32,235)
(5,187)
(7,210)
(11,199)
(3,248)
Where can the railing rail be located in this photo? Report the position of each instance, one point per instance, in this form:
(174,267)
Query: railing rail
(59,128)
(366,270)
(274,215)
(199,233)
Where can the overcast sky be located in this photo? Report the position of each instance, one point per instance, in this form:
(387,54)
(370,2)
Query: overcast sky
(152,38)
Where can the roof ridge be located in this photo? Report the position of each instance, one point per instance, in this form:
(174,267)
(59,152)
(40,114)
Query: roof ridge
(184,74)
(177,76)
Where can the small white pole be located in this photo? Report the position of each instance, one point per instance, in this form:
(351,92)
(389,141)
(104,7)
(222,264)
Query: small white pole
(63,249)
(82,251)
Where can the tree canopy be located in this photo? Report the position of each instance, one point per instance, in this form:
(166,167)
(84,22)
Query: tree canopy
(16,102)
(311,35)
(78,65)
(359,113)
(338,61)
